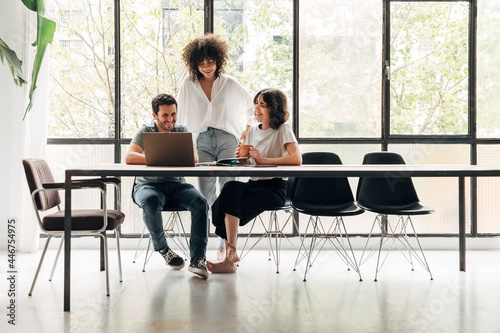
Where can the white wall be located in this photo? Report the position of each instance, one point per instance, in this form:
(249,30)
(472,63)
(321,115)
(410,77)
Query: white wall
(20,138)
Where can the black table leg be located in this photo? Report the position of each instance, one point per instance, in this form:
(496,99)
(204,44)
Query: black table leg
(67,241)
(461,222)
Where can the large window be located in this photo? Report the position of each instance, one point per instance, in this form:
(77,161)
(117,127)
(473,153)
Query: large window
(82,69)
(488,69)
(260,37)
(153,33)
(428,67)
(339,68)
(416,77)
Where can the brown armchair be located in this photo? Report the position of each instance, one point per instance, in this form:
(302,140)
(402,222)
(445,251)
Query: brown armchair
(85,222)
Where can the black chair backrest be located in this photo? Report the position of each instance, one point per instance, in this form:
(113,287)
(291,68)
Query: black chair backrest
(388,191)
(37,173)
(321,192)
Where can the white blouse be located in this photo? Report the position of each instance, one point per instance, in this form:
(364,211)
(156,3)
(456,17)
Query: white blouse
(229,109)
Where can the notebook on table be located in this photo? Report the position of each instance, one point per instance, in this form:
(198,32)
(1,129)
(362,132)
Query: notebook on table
(235,161)
(168,149)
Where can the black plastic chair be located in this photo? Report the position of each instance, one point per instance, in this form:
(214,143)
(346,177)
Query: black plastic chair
(273,231)
(391,196)
(173,227)
(330,197)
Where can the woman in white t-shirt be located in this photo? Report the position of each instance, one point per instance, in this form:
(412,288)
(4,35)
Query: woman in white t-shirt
(273,143)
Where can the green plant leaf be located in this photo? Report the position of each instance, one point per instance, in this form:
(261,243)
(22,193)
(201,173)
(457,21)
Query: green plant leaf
(34,5)
(14,63)
(45,34)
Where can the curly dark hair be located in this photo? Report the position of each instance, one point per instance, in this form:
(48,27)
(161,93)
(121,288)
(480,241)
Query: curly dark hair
(162,99)
(208,46)
(276,100)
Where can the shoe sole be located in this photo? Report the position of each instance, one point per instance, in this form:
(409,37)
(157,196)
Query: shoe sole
(177,267)
(199,272)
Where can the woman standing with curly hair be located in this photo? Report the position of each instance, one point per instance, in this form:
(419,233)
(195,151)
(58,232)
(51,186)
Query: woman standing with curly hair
(214,106)
(273,143)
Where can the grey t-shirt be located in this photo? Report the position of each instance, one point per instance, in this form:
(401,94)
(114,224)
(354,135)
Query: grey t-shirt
(138,140)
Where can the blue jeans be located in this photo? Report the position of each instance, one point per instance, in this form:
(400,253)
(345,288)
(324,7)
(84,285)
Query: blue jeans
(152,197)
(212,145)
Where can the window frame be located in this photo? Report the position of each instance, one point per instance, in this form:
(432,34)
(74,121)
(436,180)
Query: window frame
(385,139)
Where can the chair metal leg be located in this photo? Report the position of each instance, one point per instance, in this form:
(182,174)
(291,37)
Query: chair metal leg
(56,259)
(401,225)
(337,235)
(378,257)
(175,229)
(106,263)
(282,228)
(362,260)
(351,262)
(301,237)
(274,230)
(311,247)
(39,265)
(117,235)
(278,239)
(269,236)
(274,234)
(138,249)
(383,232)
(243,253)
(387,232)
(321,236)
(399,233)
(302,248)
(167,226)
(186,246)
(423,260)
(147,256)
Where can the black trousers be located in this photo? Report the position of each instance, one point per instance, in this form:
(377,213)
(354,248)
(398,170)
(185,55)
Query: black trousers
(247,200)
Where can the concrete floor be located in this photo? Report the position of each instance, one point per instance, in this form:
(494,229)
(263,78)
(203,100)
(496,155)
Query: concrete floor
(256,299)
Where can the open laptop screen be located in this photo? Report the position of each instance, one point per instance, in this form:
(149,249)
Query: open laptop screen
(168,149)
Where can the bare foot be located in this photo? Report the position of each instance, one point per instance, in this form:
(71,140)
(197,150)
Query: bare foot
(227,266)
(221,254)
(231,252)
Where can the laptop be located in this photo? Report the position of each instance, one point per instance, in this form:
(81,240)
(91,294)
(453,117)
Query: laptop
(168,149)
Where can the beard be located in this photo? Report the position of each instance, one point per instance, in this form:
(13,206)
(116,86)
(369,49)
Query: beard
(166,127)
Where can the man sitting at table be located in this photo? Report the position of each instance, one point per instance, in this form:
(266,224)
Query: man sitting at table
(151,193)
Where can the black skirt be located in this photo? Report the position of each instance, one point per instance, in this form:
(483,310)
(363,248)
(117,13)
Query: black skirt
(247,200)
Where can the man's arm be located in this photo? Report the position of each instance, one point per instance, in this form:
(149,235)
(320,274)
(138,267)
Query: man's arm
(135,155)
